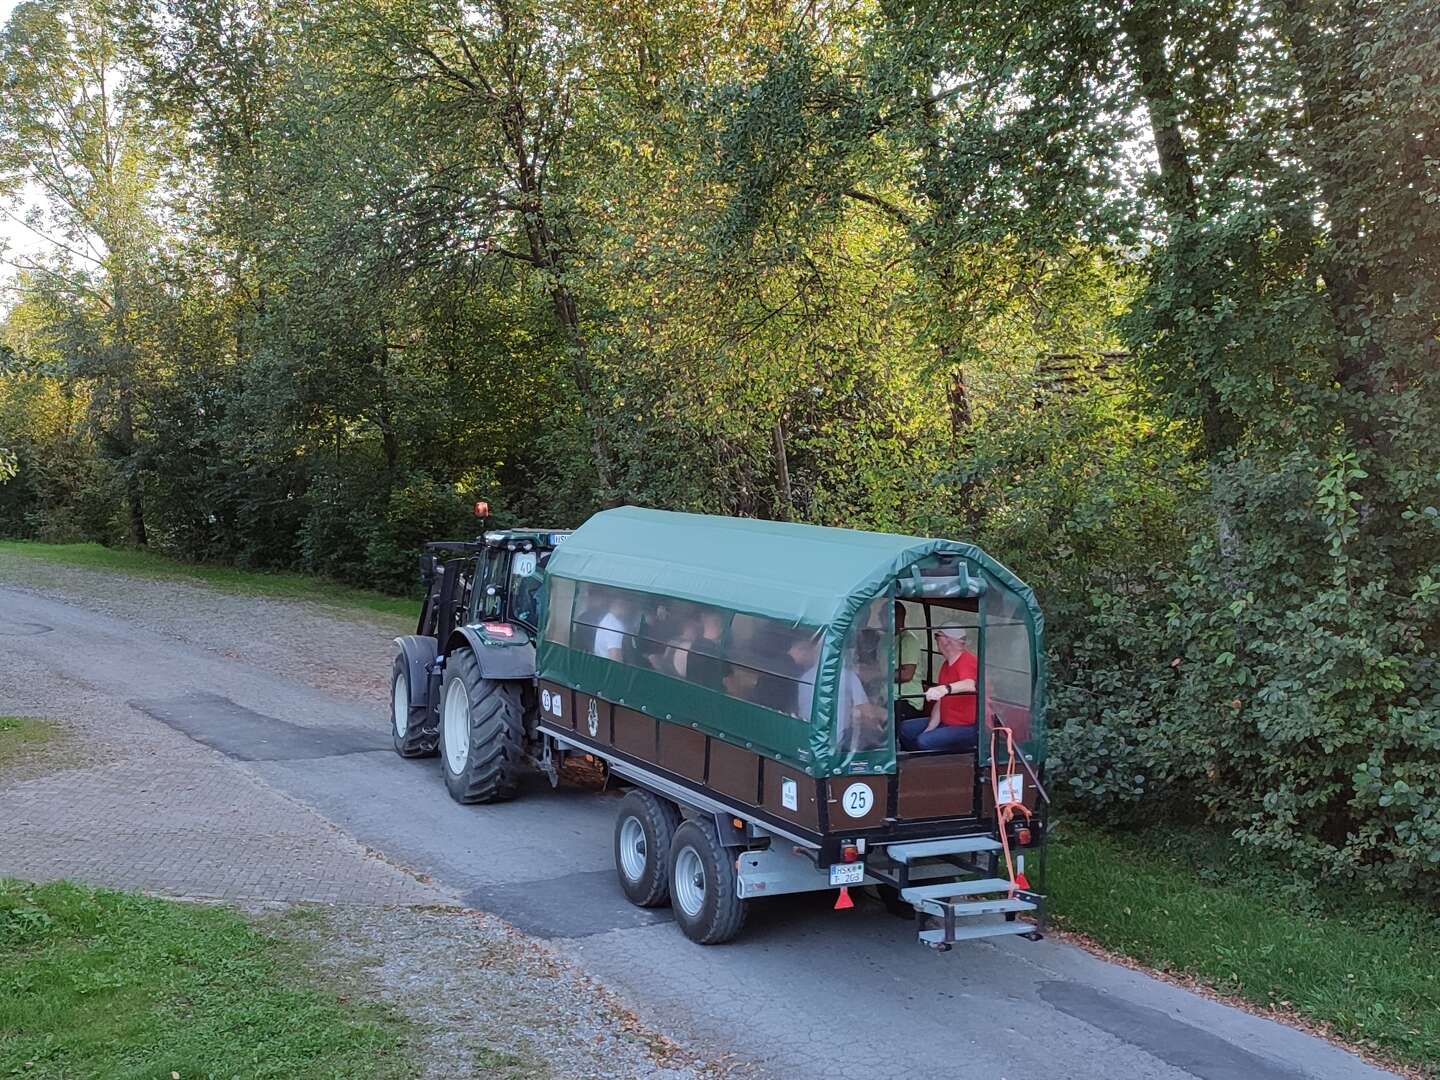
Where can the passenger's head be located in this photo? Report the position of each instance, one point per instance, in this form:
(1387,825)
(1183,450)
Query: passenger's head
(712,623)
(952,641)
(804,650)
(899,615)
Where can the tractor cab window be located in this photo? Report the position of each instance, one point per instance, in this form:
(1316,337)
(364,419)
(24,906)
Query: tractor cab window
(490,583)
(526,568)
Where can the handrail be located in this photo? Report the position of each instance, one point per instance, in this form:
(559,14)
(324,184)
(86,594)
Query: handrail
(1030,771)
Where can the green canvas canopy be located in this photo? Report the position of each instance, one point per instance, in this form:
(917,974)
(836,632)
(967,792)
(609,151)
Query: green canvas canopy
(748,629)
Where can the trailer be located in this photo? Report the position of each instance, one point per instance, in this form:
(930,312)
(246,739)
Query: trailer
(747,682)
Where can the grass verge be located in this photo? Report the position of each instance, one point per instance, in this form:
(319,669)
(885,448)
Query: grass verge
(228,578)
(1366,970)
(99,983)
(22,737)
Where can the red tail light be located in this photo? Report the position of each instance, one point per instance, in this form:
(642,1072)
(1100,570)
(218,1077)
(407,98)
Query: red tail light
(849,853)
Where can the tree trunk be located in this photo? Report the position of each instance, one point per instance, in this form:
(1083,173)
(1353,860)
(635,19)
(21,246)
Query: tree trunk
(1325,86)
(786,510)
(134,504)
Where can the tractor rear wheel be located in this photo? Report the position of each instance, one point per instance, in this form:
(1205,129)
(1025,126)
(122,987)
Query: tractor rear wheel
(482,732)
(414,733)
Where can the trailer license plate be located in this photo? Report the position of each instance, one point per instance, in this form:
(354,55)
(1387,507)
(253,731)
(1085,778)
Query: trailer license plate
(847,873)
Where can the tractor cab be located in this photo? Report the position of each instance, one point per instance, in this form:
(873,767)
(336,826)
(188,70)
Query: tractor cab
(492,583)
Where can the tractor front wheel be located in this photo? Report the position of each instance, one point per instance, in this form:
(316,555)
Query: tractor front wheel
(482,732)
(411,730)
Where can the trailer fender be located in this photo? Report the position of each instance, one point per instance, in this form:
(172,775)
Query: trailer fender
(419,652)
(496,661)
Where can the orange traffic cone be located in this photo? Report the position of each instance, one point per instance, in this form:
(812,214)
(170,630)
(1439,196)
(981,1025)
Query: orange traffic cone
(843,901)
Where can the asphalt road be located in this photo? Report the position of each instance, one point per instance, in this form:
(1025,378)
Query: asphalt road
(805,992)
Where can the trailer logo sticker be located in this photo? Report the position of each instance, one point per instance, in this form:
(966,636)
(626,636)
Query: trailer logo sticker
(1012,789)
(857,800)
(789,794)
(592,719)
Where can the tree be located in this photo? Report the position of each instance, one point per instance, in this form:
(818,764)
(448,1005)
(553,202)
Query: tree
(73,128)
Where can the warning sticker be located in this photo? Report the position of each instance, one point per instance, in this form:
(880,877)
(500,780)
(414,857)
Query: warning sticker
(789,794)
(1011,788)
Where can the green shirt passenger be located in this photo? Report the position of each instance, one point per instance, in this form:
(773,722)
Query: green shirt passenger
(909,687)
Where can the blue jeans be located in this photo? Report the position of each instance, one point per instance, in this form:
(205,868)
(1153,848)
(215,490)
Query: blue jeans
(913,736)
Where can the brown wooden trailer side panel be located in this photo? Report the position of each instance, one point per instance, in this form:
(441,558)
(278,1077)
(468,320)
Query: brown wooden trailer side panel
(938,788)
(734,772)
(805,809)
(874,817)
(941,785)
(682,751)
(635,733)
(561,708)
(592,717)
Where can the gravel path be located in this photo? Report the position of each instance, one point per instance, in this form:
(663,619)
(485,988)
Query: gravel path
(124,799)
(512,1010)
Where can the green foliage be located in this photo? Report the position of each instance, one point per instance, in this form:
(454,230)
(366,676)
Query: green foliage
(1144,300)
(108,984)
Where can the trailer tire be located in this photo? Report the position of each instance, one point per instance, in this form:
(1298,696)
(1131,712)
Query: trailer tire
(644,829)
(414,731)
(482,732)
(702,885)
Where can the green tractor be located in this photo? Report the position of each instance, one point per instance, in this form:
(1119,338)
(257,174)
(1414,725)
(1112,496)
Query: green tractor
(463,685)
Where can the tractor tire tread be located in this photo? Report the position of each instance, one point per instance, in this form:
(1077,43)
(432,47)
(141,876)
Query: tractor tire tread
(422,729)
(497,734)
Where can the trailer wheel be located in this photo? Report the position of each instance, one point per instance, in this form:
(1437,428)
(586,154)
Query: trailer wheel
(414,733)
(482,732)
(644,829)
(702,885)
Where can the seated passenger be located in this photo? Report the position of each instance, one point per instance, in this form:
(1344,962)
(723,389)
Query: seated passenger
(613,633)
(701,662)
(804,653)
(909,690)
(951,723)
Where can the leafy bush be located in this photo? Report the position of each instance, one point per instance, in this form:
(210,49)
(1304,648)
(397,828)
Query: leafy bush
(1290,691)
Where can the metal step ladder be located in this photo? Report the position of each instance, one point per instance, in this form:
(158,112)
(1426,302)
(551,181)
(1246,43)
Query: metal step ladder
(964,908)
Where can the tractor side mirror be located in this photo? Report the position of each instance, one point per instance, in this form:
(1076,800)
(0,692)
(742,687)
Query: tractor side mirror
(427,569)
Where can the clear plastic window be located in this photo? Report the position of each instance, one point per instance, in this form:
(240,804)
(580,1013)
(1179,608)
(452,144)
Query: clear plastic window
(606,619)
(1009,677)
(560,598)
(864,698)
(750,658)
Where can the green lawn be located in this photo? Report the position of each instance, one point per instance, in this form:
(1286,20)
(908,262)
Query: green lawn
(228,578)
(22,736)
(106,984)
(1195,905)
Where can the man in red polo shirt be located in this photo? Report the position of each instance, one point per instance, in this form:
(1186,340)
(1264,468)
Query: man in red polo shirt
(951,723)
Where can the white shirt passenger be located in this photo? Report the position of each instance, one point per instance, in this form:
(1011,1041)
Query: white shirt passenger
(852,692)
(610,635)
